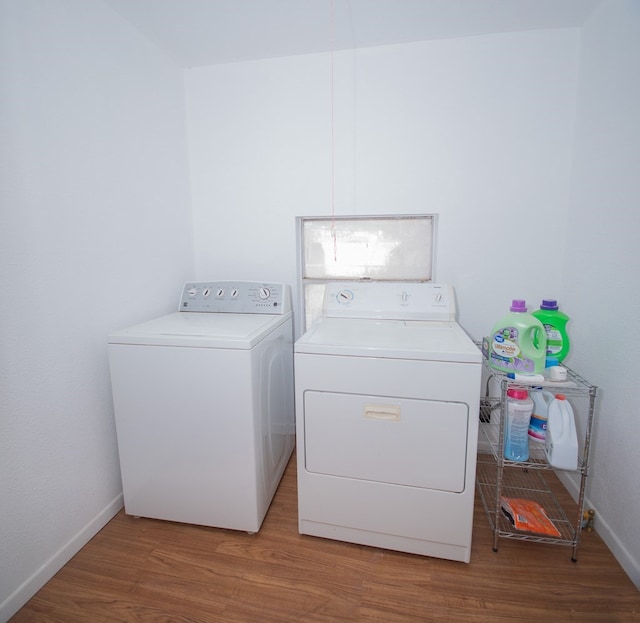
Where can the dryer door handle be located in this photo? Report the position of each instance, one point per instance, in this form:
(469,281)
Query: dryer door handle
(388,413)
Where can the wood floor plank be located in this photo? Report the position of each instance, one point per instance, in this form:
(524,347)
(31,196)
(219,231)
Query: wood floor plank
(143,571)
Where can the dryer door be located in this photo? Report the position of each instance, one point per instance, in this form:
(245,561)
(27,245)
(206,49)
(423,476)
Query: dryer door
(417,443)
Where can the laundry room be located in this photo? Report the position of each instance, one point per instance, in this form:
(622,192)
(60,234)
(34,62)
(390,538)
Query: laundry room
(132,165)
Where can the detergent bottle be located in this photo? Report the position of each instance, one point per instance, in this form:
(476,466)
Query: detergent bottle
(518,342)
(539,416)
(516,440)
(555,326)
(561,440)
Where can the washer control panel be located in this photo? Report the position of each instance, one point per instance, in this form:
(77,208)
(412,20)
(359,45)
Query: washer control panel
(235,297)
(390,300)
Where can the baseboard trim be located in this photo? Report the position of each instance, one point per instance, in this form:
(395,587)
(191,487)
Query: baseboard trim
(33,584)
(630,565)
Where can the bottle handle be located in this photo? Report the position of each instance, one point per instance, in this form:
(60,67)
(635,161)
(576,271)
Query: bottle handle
(547,396)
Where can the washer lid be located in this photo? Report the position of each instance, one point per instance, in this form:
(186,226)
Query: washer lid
(197,330)
(393,339)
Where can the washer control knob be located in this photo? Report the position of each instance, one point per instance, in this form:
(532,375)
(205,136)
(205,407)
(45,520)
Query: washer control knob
(234,293)
(220,293)
(192,292)
(206,292)
(264,293)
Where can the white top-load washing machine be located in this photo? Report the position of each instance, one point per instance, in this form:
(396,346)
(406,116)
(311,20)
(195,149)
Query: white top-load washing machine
(204,407)
(387,396)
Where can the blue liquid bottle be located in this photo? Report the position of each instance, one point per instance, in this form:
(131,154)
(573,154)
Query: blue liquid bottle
(516,426)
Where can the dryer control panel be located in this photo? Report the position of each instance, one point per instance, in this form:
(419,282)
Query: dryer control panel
(390,300)
(235,297)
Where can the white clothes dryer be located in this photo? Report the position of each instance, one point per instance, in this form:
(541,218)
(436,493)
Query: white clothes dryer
(204,405)
(387,389)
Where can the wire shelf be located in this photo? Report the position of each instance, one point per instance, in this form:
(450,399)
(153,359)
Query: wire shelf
(499,477)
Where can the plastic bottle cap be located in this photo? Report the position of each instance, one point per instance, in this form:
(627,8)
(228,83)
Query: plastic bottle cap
(550,304)
(518,394)
(518,305)
(561,397)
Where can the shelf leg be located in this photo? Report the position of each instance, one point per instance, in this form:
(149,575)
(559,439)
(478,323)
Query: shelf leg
(500,464)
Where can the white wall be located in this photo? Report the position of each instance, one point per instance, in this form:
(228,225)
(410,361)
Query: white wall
(478,130)
(602,265)
(95,234)
(483,132)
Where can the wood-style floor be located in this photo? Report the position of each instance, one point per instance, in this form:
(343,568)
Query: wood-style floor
(153,571)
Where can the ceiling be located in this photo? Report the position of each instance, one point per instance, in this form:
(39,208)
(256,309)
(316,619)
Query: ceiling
(208,32)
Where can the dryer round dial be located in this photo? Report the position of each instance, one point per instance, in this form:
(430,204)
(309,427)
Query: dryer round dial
(264,293)
(344,296)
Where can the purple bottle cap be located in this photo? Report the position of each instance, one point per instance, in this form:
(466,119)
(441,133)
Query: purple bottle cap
(518,305)
(550,304)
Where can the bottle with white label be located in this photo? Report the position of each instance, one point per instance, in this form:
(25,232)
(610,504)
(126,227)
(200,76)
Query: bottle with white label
(516,425)
(538,424)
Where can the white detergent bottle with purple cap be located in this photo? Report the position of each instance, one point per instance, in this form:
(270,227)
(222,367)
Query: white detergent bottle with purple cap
(518,342)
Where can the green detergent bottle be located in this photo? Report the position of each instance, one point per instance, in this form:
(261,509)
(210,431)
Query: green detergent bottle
(555,326)
(518,342)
